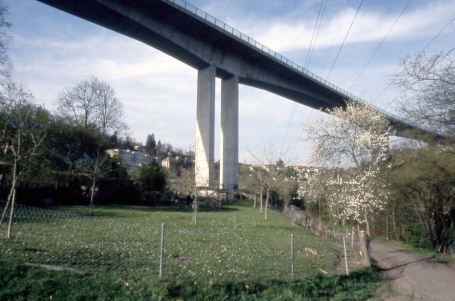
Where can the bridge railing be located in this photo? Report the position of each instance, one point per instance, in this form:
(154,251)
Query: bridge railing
(229,29)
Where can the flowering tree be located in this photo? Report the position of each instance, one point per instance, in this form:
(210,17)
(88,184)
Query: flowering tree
(356,138)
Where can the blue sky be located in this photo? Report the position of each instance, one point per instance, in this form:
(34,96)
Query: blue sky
(52,50)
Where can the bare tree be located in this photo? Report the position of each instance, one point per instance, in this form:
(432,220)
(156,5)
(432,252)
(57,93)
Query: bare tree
(5,62)
(271,172)
(427,83)
(94,168)
(250,181)
(92,102)
(110,111)
(186,180)
(20,138)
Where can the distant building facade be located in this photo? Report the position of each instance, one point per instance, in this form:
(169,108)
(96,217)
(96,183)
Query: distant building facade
(131,160)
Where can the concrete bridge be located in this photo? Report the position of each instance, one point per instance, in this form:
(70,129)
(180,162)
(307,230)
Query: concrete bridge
(216,49)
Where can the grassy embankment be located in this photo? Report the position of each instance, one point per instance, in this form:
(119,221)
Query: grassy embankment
(232,254)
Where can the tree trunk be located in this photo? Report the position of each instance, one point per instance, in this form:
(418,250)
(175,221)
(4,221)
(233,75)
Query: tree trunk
(367,224)
(11,214)
(393,223)
(260,198)
(13,198)
(319,228)
(358,229)
(91,196)
(255,200)
(195,205)
(266,203)
(10,196)
(387,221)
(365,247)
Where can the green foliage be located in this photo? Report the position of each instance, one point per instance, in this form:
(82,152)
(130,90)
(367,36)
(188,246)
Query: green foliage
(151,177)
(33,283)
(67,144)
(413,233)
(422,185)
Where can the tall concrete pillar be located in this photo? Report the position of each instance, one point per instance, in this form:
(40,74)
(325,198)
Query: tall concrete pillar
(229,150)
(205,127)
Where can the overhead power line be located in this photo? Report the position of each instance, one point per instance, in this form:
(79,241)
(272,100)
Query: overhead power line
(307,63)
(314,31)
(424,48)
(435,37)
(317,33)
(336,34)
(377,48)
(338,54)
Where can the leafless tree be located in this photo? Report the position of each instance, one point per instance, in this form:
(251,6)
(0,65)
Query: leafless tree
(92,102)
(5,39)
(427,83)
(94,168)
(270,171)
(20,138)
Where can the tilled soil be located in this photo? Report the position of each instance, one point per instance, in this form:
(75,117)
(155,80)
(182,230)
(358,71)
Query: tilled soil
(415,277)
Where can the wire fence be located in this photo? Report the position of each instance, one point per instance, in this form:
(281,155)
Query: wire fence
(148,250)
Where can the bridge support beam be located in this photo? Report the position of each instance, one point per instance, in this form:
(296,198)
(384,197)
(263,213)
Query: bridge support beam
(205,127)
(229,136)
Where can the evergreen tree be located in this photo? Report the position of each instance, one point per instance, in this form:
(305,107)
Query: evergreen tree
(150,145)
(152,178)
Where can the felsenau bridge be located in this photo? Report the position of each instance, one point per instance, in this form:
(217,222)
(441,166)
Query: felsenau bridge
(216,49)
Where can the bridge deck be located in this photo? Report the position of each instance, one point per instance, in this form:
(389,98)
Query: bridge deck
(199,40)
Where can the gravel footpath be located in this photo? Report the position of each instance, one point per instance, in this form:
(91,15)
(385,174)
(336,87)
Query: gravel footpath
(415,277)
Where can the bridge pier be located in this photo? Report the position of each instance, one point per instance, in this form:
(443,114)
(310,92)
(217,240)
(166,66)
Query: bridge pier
(205,127)
(229,136)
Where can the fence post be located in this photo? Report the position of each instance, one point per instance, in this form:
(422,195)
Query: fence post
(364,246)
(292,257)
(161,251)
(345,256)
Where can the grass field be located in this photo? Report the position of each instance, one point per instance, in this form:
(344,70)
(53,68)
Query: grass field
(234,245)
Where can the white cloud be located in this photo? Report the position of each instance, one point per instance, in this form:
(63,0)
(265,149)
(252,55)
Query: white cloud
(369,26)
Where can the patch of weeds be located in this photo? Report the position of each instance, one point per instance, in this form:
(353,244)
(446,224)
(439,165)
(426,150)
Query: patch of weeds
(21,282)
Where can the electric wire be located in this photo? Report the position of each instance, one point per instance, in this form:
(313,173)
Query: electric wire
(436,36)
(308,59)
(336,34)
(317,33)
(294,107)
(338,54)
(380,44)
(424,48)
(314,31)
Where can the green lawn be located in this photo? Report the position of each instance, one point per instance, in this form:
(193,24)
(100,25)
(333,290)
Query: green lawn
(233,245)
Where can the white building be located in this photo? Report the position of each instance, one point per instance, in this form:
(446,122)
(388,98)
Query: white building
(131,160)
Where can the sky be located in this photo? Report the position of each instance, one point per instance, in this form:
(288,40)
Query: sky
(52,50)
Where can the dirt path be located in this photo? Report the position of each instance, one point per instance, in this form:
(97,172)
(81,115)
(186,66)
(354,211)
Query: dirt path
(413,276)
